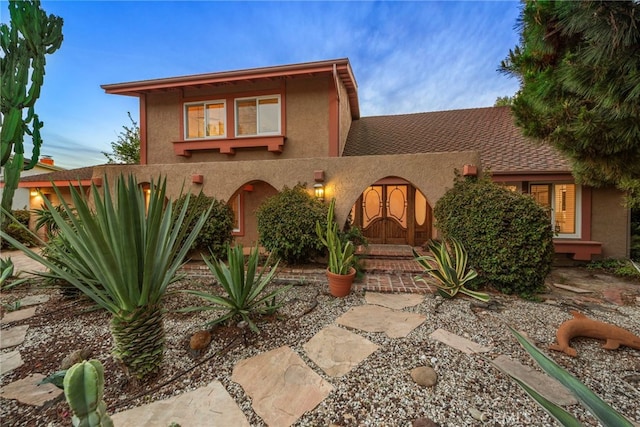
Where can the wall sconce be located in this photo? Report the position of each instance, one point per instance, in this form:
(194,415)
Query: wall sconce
(318,189)
(34,192)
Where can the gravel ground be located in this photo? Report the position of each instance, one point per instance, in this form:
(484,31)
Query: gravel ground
(379,392)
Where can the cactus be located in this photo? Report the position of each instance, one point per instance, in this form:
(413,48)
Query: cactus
(84,388)
(341,253)
(31,36)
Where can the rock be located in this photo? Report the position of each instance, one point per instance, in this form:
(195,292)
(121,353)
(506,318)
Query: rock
(425,376)
(200,340)
(424,422)
(74,357)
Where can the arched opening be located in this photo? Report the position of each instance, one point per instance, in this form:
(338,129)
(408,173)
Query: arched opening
(393,211)
(244,202)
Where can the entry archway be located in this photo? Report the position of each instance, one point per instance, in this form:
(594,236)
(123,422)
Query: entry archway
(393,211)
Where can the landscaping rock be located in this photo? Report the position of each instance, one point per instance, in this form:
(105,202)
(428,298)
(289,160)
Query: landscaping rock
(394,301)
(458,342)
(13,336)
(74,357)
(18,315)
(28,391)
(33,300)
(10,361)
(425,376)
(424,422)
(373,318)
(200,340)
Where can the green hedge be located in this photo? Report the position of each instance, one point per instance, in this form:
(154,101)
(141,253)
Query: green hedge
(287,225)
(507,234)
(217,231)
(16,229)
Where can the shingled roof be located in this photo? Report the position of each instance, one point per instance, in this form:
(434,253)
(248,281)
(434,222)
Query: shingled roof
(490,131)
(72,175)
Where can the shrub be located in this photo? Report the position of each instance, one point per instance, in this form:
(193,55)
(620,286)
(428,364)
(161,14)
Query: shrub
(287,225)
(17,227)
(635,234)
(507,234)
(216,233)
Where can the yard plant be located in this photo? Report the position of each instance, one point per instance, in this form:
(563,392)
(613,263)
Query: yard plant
(123,255)
(508,236)
(450,273)
(245,294)
(341,251)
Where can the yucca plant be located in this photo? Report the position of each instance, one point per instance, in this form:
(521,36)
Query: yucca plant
(451,274)
(123,255)
(7,279)
(608,416)
(244,287)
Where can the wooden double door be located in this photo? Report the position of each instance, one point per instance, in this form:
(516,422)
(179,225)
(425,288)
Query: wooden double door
(393,213)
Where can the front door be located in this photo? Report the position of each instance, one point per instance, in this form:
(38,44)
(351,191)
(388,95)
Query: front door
(393,214)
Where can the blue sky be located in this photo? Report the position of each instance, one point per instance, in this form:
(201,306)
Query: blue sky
(406,56)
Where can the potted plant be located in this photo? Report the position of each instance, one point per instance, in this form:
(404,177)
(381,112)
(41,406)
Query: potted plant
(340,271)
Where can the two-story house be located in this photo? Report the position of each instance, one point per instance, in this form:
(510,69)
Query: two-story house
(242,136)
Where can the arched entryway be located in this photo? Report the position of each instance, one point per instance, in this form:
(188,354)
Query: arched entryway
(393,211)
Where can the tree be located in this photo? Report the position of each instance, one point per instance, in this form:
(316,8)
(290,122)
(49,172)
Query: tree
(503,101)
(127,148)
(579,70)
(31,36)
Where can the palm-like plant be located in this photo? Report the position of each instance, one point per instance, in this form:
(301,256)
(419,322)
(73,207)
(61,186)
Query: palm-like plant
(123,255)
(245,296)
(450,274)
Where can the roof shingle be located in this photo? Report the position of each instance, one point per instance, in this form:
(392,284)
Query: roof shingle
(490,131)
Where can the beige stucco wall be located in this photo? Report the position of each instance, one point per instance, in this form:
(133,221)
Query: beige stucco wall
(344,118)
(346,177)
(307,117)
(610,222)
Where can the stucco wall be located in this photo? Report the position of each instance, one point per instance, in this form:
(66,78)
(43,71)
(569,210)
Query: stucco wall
(307,117)
(345,116)
(346,177)
(610,222)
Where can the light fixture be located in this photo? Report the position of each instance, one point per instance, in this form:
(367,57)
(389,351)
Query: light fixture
(318,189)
(34,192)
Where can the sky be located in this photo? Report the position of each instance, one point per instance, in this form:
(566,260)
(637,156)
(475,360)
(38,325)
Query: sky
(407,57)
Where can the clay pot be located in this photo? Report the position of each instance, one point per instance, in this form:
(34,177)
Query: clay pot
(340,284)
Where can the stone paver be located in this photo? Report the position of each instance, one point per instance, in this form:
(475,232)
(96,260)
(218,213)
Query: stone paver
(33,300)
(206,406)
(573,289)
(337,351)
(28,391)
(281,386)
(458,342)
(373,318)
(17,315)
(393,301)
(11,337)
(10,361)
(543,384)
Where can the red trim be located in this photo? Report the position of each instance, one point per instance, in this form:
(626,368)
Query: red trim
(582,250)
(143,129)
(274,144)
(535,177)
(58,183)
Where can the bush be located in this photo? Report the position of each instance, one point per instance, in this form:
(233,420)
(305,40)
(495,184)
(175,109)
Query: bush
(635,234)
(287,225)
(18,229)
(217,230)
(507,234)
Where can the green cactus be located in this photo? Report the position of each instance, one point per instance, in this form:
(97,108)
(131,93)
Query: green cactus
(84,388)
(31,36)
(341,253)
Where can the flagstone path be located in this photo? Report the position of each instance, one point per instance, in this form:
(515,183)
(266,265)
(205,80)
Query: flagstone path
(281,385)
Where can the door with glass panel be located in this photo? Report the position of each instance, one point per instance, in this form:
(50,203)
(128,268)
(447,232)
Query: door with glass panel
(393,214)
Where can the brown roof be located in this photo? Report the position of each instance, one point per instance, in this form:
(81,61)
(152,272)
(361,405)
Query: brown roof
(73,175)
(490,131)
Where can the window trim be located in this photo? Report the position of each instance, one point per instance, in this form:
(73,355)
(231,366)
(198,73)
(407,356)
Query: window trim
(578,207)
(204,106)
(239,196)
(257,99)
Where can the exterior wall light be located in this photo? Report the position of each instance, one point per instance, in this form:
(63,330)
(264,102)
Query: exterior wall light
(318,189)
(34,192)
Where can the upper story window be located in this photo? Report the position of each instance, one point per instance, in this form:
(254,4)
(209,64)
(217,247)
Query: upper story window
(205,120)
(563,202)
(258,116)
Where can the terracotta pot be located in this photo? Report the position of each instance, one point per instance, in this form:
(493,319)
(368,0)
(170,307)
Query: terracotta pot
(340,284)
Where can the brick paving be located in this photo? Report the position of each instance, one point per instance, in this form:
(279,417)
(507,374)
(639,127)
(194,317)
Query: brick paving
(387,268)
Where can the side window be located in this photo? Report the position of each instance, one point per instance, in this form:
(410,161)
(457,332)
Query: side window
(258,116)
(205,120)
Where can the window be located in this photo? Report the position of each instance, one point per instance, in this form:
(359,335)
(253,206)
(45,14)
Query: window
(235,203)
(258,116)
(205,120)
(563,202)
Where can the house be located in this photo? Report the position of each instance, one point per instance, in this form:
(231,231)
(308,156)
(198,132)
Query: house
(22,196)
(242,136)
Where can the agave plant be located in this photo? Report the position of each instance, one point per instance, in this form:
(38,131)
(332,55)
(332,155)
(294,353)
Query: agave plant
(450,273)
(7,278)
(608,416)
(123,254)
(245,290)
(341,251)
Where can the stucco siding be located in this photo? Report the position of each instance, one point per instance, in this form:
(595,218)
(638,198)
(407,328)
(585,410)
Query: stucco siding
(307,118)
(345,116)
(163,127)
(610,222)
